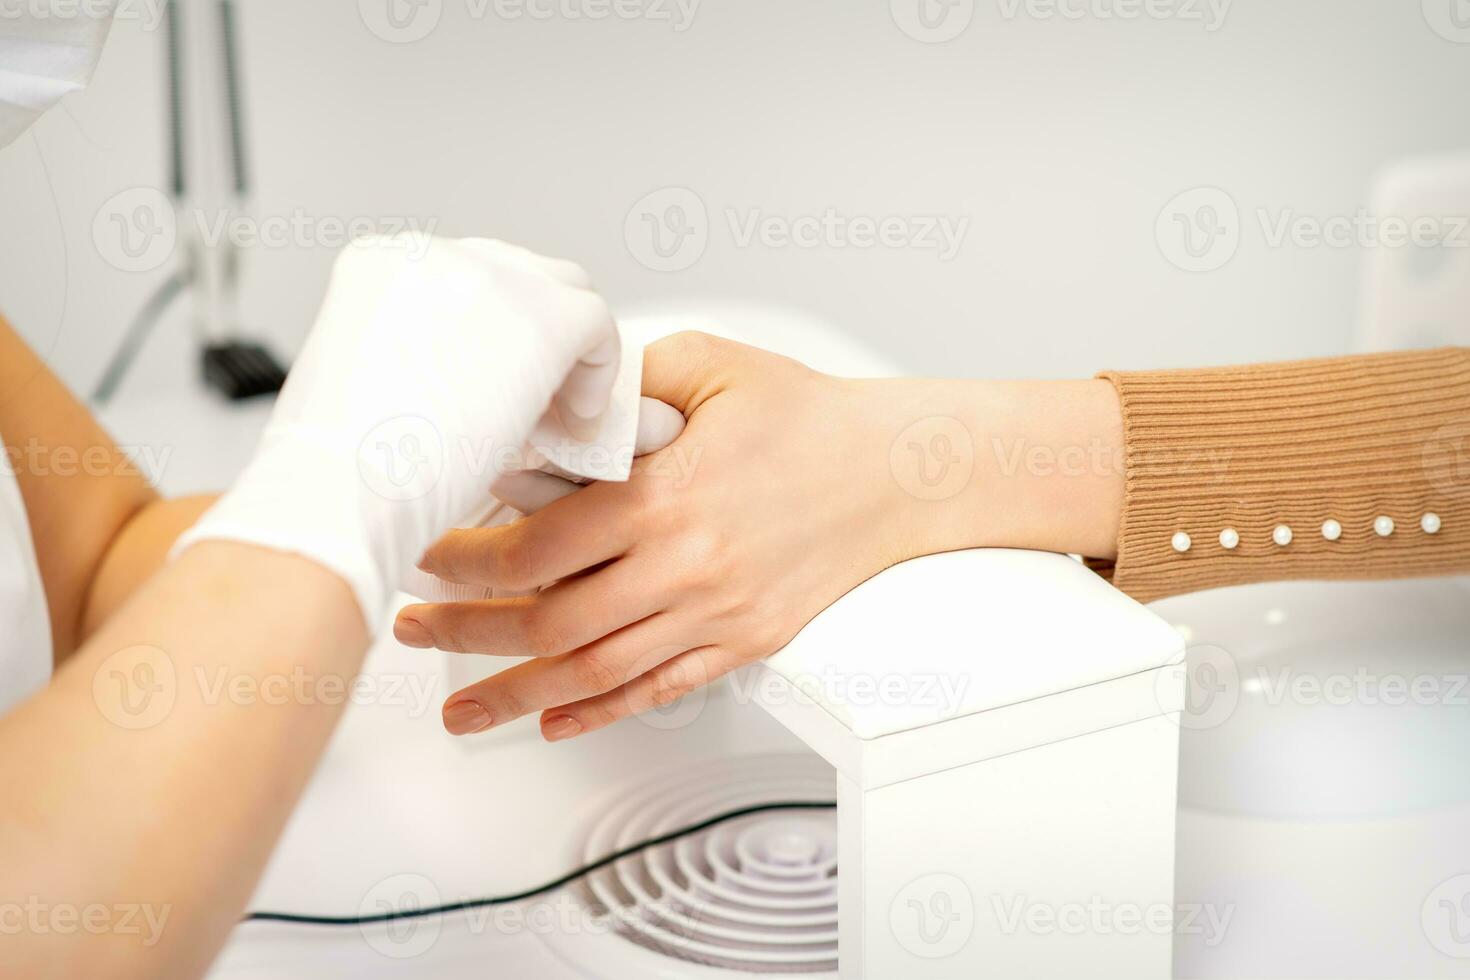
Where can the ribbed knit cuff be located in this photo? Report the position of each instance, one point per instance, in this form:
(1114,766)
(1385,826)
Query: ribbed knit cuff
(1297,445)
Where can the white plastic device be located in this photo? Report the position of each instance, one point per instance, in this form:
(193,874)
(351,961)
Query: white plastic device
(1004,726)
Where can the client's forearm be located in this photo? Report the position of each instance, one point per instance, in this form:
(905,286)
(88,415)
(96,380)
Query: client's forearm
(1006,464)
(153,776)
(1349,467)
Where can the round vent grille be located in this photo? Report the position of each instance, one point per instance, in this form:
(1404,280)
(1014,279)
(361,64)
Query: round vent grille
(756,893)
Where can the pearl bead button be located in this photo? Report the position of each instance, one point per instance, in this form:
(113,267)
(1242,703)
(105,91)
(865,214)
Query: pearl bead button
(1331,530)
(1282,535)
(1229,538)
(1180,542)
(1383,526)
(1430,523)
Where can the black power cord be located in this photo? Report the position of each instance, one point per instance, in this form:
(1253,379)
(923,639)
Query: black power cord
(566,879)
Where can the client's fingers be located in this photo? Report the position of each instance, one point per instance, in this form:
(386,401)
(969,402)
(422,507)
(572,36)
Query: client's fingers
(528,491)
(538,684)
(685,369)
(584,395)
(659,424)
(568,536)
(659,686)
(554,621)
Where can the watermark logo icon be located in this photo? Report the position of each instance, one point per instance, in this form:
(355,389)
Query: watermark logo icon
(1447,458)
(667,230)
(932,21)
(405,935)
(933,916)
(401,21)
(1450,19)
(136,230)
(1199,230)
(402,458)
(679,688)
(934,458)
(1445,917)
(1211,681)
(136,687)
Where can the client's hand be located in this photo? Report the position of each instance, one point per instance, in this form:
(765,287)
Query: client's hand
(786,489)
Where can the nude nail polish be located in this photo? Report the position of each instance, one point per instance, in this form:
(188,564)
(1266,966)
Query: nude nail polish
(466,718)
(560,727)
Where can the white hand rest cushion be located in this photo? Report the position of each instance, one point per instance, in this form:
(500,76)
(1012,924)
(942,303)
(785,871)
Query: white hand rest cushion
(950,635)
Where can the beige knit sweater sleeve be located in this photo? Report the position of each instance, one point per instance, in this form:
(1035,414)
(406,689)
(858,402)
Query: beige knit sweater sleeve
(1351,467)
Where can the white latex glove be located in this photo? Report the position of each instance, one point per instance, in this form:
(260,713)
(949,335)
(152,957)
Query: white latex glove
(428,358)
(527,491)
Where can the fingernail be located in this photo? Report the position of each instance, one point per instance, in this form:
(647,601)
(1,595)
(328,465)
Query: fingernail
(466,718)
(411,633)
(560,727)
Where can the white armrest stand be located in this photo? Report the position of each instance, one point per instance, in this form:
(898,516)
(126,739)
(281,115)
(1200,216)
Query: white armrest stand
(1004,725)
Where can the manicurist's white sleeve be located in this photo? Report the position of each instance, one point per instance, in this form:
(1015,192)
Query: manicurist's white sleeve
(25,625)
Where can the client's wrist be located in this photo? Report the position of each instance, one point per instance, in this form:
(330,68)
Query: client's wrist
(1032,464)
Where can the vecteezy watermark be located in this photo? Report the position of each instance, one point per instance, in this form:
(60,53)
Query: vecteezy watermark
(404,934)
(1446,458)
(139,687)
(676,688)
(933,459)
(1211,682)
(1450,19)
(933,916)
(1201,229)
(1215,684)
(147,13)
(1097,917)
(36,917)
(401,930)
(1360,687)
(403,458)
(37,459)
(932,21)
(942,234)
(1363,229)
(136,688)
(669,230)
(1209,14)
(139,229)
(937,21)
(831,686)
(1445,917)
(1096,458)
(407,21)
(223,685)
(673,690)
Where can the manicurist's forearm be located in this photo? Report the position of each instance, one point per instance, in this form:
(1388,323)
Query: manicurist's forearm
(211,694)
(137,552)
(79,489)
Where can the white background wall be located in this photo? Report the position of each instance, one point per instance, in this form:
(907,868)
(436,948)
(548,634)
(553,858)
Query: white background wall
(1059,140)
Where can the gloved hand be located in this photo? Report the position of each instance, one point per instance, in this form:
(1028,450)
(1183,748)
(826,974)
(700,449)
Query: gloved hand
(429,359)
